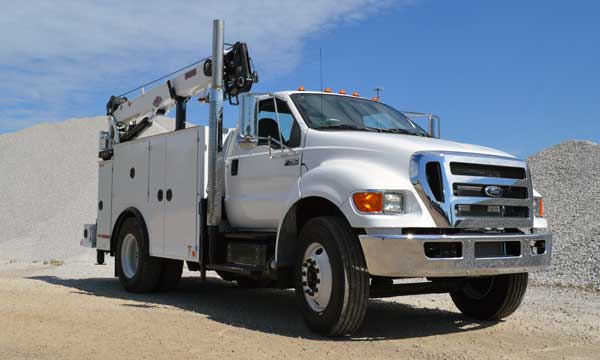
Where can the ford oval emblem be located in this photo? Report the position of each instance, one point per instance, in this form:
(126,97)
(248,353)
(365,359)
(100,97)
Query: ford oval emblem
(493,191)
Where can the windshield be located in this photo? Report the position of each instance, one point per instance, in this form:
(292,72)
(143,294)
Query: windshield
(331,112)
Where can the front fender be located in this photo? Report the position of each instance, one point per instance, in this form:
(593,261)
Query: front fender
(337,180)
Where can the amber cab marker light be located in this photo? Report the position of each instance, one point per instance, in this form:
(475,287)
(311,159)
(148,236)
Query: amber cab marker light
(355,94)
(368,202)
(327,90)
(300,88)
(342,92)
(375,98)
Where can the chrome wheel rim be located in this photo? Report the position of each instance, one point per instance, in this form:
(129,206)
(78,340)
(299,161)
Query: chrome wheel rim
(316,277)
(130,256)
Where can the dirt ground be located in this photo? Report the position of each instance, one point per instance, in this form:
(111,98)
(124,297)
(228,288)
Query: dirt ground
(79,311)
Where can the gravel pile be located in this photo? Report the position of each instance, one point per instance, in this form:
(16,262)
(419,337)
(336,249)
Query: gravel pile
(48,189)
(568,177)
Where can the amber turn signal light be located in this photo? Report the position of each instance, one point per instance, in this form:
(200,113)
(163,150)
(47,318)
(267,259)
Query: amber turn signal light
(368,202)
(538,207)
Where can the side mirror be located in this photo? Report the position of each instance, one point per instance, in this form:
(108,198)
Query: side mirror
(433,122)
(434,126)
(248,126)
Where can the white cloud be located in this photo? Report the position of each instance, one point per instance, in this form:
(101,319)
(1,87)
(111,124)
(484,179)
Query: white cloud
(57,54)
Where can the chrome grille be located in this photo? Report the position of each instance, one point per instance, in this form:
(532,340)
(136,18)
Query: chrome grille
(467,190)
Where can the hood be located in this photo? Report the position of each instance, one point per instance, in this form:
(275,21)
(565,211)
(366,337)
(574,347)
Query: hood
(392,143)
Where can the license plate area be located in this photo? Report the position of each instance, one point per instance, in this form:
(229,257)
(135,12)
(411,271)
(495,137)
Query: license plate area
(497,249)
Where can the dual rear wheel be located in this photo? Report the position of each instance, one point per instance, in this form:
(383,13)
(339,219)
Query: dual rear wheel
(138,271)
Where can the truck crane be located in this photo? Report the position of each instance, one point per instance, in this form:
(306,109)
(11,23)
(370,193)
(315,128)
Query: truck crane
(337,196)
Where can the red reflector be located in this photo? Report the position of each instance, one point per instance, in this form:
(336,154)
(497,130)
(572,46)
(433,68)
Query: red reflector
(190,74)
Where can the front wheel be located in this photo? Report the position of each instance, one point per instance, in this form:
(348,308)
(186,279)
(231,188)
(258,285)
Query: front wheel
(491,297)
(331,278)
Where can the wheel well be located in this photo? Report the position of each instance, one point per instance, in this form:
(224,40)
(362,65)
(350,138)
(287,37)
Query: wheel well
(125,214)
(298,215)
(313,207)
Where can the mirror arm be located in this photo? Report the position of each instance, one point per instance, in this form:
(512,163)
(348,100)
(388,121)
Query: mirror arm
(270,142)
(269,145)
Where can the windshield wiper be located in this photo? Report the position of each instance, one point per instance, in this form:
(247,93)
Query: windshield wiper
(404,131)
(368,128)
(345,127)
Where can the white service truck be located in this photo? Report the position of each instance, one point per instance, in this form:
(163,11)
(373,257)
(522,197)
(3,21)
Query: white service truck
(334,195)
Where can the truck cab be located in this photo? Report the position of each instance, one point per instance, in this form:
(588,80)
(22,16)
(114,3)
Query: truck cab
(419,206)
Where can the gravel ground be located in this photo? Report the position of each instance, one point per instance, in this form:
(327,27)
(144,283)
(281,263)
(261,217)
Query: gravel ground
(80,311)
(567,176)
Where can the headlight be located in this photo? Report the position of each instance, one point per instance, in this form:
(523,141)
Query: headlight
(393,202)
(538,207)
(377,202)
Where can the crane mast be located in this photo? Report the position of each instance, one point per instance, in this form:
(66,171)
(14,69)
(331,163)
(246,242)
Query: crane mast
(128,117)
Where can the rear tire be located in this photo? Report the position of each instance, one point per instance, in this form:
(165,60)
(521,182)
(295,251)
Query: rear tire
(491,297)
(138,271)
(100,257)
(330,260)
(170,275)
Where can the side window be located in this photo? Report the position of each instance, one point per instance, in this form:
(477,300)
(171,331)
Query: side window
(267,124)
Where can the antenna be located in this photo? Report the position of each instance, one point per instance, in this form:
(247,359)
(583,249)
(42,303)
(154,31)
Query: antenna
(377,91)
(321,66)
(321,72)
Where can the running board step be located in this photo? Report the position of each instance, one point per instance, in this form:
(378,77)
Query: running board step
(251,235)
(247,270)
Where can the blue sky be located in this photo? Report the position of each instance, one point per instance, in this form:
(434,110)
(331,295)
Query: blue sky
(514,75)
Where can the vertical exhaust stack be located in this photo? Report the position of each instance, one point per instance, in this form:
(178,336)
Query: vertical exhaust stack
(215,126)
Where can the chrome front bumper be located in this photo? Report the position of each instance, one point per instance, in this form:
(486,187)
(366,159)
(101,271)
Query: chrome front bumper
(404,255)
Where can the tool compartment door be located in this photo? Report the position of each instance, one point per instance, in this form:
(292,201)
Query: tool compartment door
(104,205)
(155,216)
(180,197)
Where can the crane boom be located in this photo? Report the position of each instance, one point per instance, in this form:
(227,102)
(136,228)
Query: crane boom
(161,99)
(128,117)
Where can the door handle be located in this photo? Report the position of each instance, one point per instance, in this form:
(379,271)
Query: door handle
(159,196)
(234,167)
(169,195)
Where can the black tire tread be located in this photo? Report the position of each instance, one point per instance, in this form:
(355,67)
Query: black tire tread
(170,275)
(516,291)
(352,319)
(150,267)
(355,308)
(505,298)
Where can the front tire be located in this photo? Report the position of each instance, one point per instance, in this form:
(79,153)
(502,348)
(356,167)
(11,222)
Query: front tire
(138,271)
(331,277)
(491,297)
